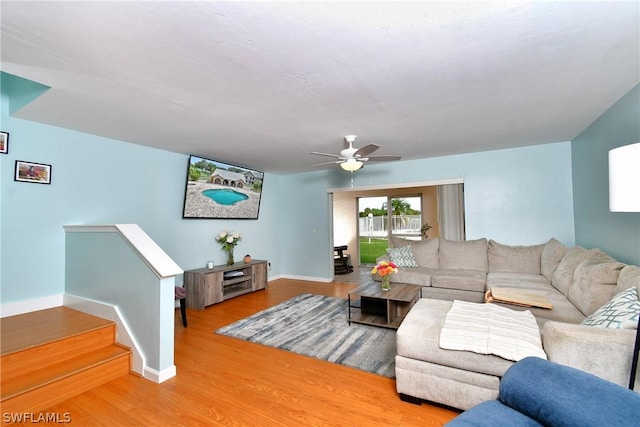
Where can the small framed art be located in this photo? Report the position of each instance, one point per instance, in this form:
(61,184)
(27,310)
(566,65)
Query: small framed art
(4,142)
(32,172)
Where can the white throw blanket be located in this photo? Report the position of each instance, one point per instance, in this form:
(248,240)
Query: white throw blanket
(491,329)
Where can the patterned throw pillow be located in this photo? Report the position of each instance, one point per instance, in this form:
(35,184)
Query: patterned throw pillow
(402,257)
(620,313)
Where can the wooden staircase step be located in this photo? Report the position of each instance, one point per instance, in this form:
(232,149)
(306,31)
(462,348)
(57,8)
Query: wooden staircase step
(59,381)
(23,362)
(49,356)
(29,330)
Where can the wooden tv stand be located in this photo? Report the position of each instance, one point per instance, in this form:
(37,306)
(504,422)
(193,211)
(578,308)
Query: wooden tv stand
(209,286)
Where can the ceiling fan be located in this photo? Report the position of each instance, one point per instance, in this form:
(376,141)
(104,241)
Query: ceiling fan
(351,159)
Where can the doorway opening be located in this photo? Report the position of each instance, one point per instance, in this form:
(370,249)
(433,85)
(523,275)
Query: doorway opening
(383,215)
(440,207)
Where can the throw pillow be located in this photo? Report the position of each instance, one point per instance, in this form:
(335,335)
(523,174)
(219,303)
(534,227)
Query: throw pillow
(552,254)
(594,281)
(620,313)
(402,257)
(629,276)
(562,278)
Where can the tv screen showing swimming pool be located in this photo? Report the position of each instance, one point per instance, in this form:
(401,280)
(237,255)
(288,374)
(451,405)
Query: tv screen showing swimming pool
(218,190)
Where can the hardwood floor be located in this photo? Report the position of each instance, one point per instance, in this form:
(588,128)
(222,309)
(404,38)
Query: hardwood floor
(223,381)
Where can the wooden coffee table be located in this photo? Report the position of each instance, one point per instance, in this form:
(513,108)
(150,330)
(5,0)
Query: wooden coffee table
(371,306)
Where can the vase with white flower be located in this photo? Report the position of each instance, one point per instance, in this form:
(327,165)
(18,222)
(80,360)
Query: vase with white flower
(228,240)
(384,269)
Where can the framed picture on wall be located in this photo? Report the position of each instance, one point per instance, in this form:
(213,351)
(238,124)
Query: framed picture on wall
(32,172)
(4,142)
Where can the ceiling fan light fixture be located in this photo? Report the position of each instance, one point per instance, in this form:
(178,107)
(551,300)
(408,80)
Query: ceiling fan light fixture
(351,165)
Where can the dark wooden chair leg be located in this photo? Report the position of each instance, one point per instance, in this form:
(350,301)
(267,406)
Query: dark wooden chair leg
(183,311)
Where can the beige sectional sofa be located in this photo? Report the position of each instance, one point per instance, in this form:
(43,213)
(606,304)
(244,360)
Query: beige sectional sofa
(576,281)
(466,270)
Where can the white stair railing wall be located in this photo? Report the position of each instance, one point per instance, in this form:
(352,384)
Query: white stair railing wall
(118,270)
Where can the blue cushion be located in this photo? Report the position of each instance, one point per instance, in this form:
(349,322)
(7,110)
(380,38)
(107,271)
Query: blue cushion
(558,395)
(490,414)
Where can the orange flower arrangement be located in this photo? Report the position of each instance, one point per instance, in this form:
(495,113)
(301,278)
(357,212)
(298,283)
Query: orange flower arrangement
(384,268)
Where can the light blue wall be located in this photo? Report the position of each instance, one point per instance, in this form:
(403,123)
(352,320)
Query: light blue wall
(102,181)
(518,196)
(616,233)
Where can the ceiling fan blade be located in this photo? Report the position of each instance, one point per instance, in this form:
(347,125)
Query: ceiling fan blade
(335,162)
(367,149)
(382,158)
(326,154)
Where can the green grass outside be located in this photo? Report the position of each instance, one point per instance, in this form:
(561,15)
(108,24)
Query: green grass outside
(370,251)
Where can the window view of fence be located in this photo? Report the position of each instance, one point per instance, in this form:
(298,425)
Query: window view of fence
(374,225)
(378,226)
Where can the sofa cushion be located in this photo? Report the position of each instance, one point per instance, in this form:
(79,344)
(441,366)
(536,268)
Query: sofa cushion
(420,276)
(464,255)
(419,333)
(629,276)
(425,252)
(402,257)
(562,278)
(552,254)
(514,259)
(397,242)
(469,280)
(620,313)
(517,280)
(604,352)
(594,281)
(563,310)
(451,294)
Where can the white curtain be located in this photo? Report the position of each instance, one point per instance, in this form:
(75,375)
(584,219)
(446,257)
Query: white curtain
(451,211)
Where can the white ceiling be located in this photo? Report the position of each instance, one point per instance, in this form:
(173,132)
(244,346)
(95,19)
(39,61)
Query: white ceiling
(264,84)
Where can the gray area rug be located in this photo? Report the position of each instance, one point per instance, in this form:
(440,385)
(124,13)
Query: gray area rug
(316,326)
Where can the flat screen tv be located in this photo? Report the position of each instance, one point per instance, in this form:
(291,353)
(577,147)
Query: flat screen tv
(218,190)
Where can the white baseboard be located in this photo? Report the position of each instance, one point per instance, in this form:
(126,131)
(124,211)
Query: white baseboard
(27,306)
(111,312)
(307,278)
(159,376)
